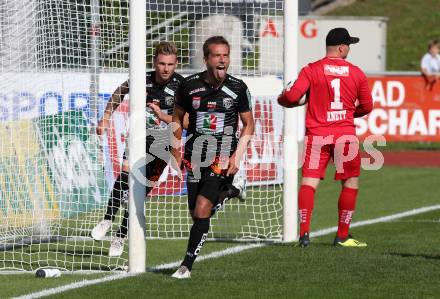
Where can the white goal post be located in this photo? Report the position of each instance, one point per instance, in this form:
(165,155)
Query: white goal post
(60,62)
(290,194)
(137,147)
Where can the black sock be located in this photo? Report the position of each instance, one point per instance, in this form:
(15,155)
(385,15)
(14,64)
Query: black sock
(120,188)
(197,236)
(123,228)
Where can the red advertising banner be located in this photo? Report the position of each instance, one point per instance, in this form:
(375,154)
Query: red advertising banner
(405,109)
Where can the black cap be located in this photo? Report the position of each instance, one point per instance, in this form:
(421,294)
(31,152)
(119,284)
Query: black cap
(339,36)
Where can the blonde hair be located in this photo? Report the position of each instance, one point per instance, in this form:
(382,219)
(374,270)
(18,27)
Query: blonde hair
(165,48)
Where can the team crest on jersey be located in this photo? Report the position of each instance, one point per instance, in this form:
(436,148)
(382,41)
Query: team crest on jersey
(169,101)
(196,102)
(336,70)
(227,103)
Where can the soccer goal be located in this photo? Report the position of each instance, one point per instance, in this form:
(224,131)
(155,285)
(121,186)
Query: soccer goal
(61,61)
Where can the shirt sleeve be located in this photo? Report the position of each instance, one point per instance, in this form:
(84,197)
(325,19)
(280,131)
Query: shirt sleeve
(424,63)
(244,99)
(364,96)
(293,93)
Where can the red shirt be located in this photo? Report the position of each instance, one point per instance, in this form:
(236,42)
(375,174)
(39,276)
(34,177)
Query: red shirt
(332,86)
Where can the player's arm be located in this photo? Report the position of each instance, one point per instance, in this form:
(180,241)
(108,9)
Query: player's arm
(246,135)
(247,131)
(176,136)
(186,121)
(364,97)
(167,118)
(115,100)
(293,94)
(177,129)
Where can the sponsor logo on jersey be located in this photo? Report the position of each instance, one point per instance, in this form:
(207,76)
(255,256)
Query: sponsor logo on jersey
(210,122)
(197,90)
(229,92)
(169,91)
(211,105)
(196,102)
(228,102)
(169,101)
(336,70)
(149,85)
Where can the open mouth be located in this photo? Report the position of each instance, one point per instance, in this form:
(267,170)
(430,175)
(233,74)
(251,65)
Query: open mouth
(221,70)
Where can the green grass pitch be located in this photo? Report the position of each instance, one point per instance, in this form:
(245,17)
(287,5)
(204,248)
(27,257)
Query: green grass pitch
(401,261)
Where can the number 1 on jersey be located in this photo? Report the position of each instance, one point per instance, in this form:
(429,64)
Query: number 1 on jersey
(336,104)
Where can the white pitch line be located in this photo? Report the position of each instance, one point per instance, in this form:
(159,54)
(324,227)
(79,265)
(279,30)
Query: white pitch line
(319,233)
(416,221)
(334,229)
(217,254)
(75,285)
(212,255)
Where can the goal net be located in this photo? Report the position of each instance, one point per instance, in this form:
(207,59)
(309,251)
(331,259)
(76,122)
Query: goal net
(60,62)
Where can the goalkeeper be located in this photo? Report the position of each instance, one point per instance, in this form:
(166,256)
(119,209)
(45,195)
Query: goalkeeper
(214,101)
(161,87)
(337,92)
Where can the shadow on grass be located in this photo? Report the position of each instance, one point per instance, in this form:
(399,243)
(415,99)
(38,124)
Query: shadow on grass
(313,243)
(413,255)
(164,272)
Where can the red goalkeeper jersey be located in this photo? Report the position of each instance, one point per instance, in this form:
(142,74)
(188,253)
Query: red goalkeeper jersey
(332,86)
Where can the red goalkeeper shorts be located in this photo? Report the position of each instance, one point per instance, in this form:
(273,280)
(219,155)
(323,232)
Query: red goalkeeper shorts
(318,152)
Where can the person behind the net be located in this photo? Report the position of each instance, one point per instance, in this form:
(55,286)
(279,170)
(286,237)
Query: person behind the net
(337,92)
(430,64)
(215,101)
(161,87)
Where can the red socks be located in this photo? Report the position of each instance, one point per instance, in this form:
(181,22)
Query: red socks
(306,200)
(346,206)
